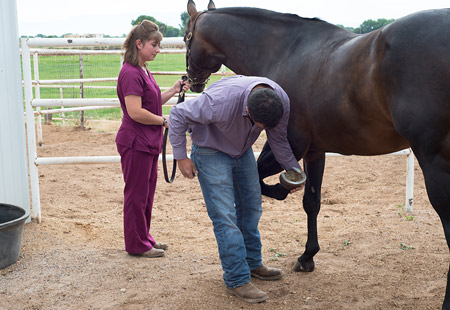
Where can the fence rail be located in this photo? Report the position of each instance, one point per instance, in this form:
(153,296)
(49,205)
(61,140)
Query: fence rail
(87,104)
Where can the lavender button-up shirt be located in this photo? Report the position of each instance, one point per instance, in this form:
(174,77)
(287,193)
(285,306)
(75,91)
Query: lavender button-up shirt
(218,119)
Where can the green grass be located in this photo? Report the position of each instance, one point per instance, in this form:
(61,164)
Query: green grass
(100,66)
(401,212)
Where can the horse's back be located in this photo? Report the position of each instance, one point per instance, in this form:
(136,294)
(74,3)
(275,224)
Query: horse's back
(381,89)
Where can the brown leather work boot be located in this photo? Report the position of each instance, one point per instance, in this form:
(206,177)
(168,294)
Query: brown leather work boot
(249,293)
(267,273)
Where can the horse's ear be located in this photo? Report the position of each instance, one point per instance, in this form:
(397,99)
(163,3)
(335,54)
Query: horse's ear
(211,5)
(191,8)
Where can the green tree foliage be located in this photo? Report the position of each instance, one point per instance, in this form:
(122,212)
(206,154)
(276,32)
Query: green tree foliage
(371,25)
(184,21)
(368,25)
(138,20)
(351,29)
(172,32)
(167,31)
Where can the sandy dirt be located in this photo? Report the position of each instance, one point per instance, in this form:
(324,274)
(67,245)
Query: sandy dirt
(374,255)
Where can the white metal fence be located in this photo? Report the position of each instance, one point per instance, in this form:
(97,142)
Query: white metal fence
(32,47)
(33,105)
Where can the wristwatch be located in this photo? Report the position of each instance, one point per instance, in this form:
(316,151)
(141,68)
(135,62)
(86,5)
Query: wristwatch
(164,121)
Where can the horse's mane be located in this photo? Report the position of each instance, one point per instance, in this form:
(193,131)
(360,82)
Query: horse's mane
(257,13)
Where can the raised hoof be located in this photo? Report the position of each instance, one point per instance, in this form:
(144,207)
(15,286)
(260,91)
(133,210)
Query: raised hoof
(276,191)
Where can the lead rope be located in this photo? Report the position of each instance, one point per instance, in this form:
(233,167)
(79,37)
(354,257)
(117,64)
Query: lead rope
(164,145)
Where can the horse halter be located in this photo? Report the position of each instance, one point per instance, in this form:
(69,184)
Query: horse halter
(189,40)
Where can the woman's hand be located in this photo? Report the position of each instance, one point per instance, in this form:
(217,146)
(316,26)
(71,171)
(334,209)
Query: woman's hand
(175,89)
(178,84)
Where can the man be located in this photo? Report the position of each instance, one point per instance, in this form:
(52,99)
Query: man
(224,122)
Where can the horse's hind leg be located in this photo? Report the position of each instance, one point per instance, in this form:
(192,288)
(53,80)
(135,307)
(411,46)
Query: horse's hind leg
(311,204)
(436,171)
(267,166)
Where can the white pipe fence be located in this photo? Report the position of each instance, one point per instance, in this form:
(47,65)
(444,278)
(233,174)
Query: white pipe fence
(168,45)
(99,103)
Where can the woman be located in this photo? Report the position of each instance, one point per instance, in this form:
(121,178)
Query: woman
(139,138)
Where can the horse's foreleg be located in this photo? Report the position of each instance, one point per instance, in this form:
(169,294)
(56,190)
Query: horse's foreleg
(311,204)
(436,171)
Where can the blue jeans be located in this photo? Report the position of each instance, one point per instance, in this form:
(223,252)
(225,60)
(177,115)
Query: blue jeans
(232,194)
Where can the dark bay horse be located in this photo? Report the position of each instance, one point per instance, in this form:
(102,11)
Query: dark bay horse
(367,94)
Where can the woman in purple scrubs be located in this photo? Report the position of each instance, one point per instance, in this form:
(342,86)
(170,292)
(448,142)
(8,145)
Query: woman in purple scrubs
(139,138)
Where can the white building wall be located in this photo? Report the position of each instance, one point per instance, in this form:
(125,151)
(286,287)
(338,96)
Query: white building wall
(14,185)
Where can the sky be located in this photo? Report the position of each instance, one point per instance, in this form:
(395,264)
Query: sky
(109,17)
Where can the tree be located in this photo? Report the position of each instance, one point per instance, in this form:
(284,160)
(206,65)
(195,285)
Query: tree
(172,32)
(141,18)
(351,29)
(167,31)
(371,25)
(184,21)
(368,25)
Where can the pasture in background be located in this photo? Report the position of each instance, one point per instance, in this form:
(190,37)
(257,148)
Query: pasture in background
(85,79)
(97,66)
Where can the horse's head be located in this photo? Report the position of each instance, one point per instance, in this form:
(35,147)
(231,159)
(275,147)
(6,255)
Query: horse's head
(200,60)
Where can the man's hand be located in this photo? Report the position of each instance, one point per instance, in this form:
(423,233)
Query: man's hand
(187,168)
(298,188)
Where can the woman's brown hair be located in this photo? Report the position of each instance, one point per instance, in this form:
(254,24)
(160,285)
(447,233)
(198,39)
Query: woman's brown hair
(145,31)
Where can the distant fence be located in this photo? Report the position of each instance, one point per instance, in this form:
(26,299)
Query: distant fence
(33,105)
(33,47)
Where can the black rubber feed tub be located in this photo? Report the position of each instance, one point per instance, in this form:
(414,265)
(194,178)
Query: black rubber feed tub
(12,219)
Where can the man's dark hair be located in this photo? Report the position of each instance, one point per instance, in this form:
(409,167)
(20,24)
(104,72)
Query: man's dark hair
(265,107)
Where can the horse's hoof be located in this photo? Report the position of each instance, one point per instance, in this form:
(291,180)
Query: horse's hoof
(274,191)
(298,267)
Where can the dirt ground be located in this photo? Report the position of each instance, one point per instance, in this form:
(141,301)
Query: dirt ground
(374,255)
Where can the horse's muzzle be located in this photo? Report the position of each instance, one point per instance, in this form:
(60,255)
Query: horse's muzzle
(197,88)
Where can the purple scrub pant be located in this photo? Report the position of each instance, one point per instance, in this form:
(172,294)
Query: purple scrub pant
(140,171)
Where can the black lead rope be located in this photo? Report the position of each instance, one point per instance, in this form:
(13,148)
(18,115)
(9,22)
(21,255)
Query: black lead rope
(166,133)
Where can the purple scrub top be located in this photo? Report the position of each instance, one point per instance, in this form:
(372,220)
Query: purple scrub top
(133,80)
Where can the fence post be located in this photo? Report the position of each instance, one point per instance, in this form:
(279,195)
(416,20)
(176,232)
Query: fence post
(63,115)
(81,90)
(37,92)
(31,131)
(409,181)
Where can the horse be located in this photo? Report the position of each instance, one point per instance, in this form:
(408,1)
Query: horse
(353,94)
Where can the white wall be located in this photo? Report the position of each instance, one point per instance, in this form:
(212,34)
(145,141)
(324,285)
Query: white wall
(14,186)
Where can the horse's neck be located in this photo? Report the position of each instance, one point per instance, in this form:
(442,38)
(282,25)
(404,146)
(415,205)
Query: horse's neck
(250,45)
(242,53)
